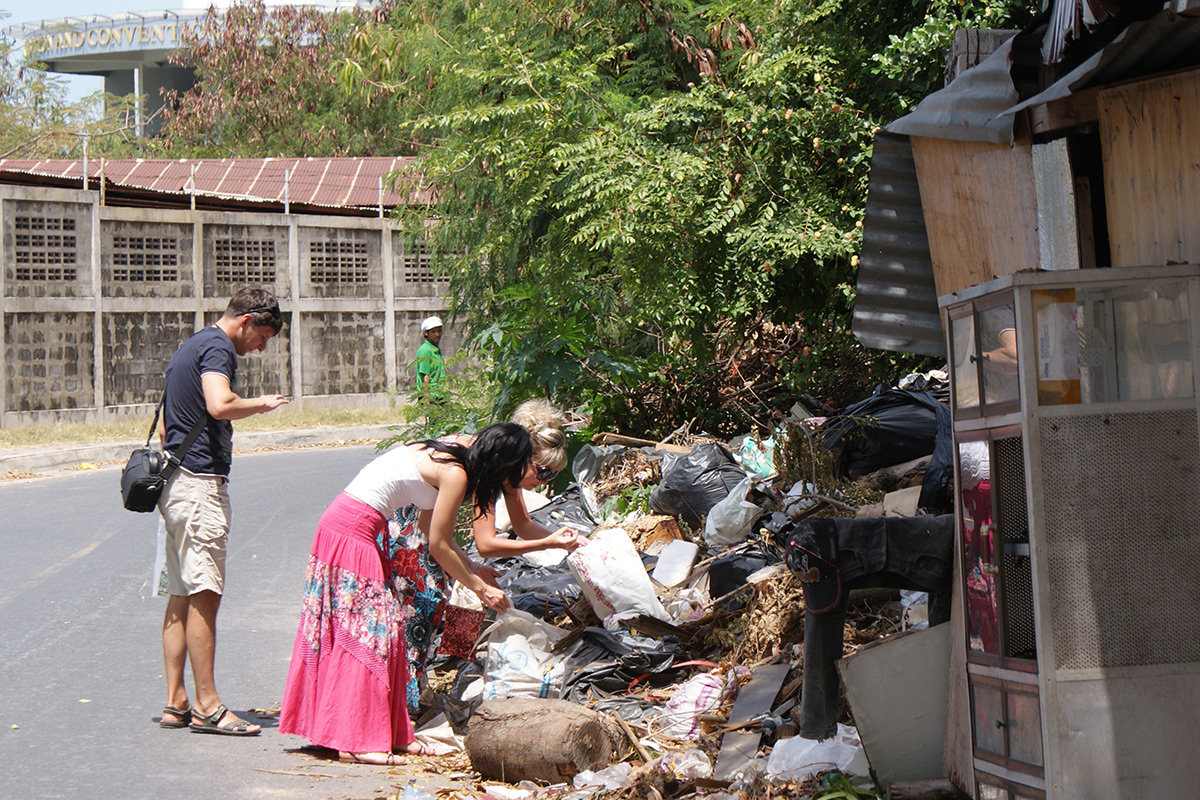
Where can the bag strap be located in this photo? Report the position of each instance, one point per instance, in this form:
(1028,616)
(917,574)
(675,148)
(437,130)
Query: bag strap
(176,458)
(173,460)
(154,425)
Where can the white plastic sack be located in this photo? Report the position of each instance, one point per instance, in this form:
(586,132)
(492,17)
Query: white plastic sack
(798,758)
(613,580)
(731,520)
(440,737)
(519,662)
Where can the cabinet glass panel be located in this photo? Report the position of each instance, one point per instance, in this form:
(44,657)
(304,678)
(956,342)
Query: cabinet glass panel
(979,546)
(1134,342)
(998,343)
(965,374)
(1057,344)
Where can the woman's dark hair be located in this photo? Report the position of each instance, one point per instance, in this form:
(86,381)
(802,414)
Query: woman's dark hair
(501,453)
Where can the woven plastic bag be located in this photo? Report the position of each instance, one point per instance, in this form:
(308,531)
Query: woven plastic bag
(519,658)
(613,579)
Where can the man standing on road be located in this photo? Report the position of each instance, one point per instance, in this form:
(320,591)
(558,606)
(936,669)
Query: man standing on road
(195,502)
(431,366)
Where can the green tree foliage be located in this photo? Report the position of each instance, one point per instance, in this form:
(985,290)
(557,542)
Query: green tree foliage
(40,119)
(629,191)
(652,208)
(267,86)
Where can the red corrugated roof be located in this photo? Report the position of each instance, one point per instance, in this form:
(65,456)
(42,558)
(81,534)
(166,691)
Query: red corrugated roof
(329,182)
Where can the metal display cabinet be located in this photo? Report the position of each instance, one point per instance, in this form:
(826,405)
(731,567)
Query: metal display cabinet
(1078,500)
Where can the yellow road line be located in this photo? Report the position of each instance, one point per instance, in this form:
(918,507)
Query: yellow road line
(53,568)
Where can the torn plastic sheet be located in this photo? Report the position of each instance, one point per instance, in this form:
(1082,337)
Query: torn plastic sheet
(630,708)
(731,570)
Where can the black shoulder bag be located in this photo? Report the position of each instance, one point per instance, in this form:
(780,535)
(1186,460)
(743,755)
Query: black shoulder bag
(148,469)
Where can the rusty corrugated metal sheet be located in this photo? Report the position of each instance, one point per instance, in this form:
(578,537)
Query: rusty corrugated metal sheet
(322,182)
(895,307)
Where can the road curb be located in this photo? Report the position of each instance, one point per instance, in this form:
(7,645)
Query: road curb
(53,459)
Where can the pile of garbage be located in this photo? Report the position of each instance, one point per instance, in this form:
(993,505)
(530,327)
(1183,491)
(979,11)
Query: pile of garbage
(666,657)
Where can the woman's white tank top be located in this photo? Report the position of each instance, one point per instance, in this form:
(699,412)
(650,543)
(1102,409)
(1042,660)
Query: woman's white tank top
(392,481)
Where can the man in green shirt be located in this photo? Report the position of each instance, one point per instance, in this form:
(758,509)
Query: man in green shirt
(431,366)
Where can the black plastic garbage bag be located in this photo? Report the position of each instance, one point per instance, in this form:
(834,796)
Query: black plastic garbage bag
(777,524)
(457,710)
(693,484)
(566,510)
(731,570)
(606,663)
(545,592)
(890,427)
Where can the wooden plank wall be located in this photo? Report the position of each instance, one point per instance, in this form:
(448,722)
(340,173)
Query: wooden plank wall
(980,209)
(1150,140)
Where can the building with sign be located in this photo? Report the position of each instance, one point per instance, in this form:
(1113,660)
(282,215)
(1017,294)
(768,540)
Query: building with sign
(130,51)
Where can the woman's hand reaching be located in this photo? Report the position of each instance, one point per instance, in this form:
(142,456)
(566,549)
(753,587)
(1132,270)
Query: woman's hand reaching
(566,538)
(494,598)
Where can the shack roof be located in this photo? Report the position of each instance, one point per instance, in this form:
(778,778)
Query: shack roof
(320,185)
(1046,62)
(981,104)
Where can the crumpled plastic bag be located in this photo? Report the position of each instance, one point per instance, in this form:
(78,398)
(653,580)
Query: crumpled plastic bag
(755,455)
(731,520)
(798,758)
(616,776)
(686,765)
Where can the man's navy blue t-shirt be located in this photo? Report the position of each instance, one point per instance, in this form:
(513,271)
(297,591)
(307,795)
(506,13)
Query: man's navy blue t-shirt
(208,350)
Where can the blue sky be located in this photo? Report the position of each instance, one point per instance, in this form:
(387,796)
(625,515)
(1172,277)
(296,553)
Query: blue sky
(57,9)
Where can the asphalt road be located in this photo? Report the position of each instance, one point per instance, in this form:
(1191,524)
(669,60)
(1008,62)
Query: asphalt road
(80,650)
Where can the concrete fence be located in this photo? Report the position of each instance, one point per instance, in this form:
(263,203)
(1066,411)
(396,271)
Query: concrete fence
(95,299)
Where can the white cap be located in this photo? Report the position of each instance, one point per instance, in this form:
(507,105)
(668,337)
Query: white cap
(430,323)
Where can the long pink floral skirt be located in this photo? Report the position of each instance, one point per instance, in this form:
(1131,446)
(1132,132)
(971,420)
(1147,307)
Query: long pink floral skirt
(346,684)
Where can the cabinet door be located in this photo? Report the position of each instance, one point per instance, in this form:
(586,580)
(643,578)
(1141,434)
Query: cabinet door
(1007,723)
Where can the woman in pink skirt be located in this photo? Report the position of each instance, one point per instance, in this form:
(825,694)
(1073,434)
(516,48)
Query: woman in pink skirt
(346,684)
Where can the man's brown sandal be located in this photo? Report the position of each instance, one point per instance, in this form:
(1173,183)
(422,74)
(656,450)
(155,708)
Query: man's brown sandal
(210,724)
(184,717)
